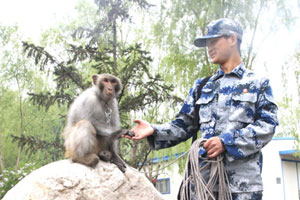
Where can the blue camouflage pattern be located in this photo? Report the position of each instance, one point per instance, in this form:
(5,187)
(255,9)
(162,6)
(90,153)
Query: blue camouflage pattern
(237,107)
(247,196)
(220,27)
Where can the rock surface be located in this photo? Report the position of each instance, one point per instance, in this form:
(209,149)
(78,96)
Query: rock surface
(65,180)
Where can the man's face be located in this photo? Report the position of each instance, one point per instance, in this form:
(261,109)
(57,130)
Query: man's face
(219,49)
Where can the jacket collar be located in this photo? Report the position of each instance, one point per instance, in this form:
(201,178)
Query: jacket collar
(238,71)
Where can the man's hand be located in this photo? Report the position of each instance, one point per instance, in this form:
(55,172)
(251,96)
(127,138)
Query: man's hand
(141,130)
(213,147)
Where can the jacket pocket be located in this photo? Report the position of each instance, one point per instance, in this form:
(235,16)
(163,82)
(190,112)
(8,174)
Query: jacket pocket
(206,103)
(243,107)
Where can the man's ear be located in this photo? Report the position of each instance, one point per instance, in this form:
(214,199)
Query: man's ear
(234,40)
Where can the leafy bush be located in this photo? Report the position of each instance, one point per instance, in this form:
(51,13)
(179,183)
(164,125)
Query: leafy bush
(8,179)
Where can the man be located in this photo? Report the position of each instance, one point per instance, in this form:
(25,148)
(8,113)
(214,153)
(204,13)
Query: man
(237,113)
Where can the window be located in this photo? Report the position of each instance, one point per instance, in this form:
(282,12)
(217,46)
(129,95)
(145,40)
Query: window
(278,180)
(163,185)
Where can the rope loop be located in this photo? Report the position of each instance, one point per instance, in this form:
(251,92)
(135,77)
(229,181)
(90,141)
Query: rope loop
(193,181)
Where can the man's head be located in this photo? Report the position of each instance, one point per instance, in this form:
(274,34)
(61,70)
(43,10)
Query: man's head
(218,28)
(222,40)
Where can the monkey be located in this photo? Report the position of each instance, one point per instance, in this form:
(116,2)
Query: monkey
(93,124)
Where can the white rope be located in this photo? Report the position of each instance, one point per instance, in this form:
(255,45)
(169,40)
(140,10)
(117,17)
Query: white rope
(204,190)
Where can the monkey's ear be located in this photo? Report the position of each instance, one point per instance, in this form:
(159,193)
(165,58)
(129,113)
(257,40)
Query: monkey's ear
(95,77)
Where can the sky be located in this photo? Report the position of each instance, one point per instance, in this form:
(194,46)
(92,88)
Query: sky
(277,49)
(34,16)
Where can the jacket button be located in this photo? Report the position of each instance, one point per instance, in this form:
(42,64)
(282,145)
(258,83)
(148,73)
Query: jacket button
(245,90)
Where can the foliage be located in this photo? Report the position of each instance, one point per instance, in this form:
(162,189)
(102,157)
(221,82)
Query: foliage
(19,77)
(289,118)
(9,178)
(45,126)
(59,68)
(289,115)
(34,143)
(175,26)
(101,52)
(139,150)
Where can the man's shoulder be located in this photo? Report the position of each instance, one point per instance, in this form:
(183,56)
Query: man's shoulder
(251,75)
(200,83)
(199,80)
(202,80)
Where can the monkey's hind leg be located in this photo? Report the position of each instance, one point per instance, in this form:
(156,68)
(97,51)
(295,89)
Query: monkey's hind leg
(83,144)
(88,160)
(105,155)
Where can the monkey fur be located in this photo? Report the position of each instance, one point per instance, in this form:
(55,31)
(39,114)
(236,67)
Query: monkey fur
(93,124)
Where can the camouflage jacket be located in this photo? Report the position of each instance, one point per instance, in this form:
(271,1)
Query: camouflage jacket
(237,107)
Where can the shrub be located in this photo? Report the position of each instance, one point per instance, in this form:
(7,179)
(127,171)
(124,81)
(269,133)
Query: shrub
(8,179)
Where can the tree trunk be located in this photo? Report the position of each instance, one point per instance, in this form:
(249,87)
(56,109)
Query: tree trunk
(249,59)
(21,126)
(2,166)
(115,44)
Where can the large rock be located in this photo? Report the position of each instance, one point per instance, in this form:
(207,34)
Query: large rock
(71,181)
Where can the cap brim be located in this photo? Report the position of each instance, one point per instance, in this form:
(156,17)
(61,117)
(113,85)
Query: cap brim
(201,42)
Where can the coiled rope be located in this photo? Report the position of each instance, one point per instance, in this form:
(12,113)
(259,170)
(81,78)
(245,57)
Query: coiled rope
(192,176)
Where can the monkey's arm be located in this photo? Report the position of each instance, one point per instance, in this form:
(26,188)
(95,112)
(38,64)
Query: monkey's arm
(113,133)
(104,130)
(117,134)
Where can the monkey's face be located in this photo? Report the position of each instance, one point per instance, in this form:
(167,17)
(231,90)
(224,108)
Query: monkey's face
(109,87)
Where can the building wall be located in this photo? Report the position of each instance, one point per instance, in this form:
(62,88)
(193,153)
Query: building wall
(272,168)
(175,181)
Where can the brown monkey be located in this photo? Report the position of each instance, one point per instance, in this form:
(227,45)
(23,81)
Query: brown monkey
(93,123)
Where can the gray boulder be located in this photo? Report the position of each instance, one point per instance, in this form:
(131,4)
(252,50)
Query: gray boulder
(65,180)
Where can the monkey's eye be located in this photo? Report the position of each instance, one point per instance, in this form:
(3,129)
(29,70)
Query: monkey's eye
(113,81)
(105,80)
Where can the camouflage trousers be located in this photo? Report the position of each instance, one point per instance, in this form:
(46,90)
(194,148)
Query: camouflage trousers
(246,196)
(239,196)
